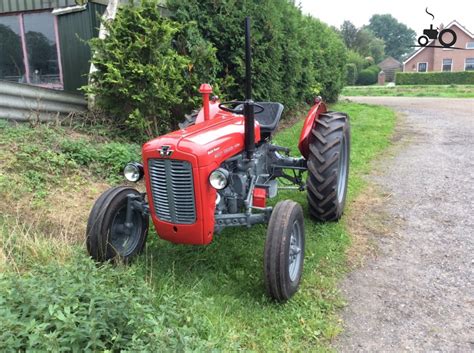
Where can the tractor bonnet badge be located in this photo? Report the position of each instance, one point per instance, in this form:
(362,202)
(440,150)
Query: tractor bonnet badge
(165,151)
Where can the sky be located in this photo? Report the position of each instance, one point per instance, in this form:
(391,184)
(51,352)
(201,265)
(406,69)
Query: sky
(412,13)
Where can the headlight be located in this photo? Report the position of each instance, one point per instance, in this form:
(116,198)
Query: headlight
(133,171)
(219,178)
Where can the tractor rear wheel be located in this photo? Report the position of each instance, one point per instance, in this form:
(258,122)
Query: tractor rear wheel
(328,166)
(284,251)
(108,235)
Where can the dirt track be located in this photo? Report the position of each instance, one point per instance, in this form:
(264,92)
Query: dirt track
(418,294)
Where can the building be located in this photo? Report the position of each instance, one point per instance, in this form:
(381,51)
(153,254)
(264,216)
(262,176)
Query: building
(390,66)
(43,42)
(428,59)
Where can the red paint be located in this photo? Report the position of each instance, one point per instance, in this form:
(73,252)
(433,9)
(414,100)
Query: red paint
(205,90)
(259,197)
(205,145)
(213,111)
(318,108)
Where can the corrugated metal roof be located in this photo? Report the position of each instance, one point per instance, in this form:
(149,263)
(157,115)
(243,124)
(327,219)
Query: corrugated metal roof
(30,5)
(7,6)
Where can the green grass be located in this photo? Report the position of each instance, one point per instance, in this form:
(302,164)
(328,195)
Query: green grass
(216,292)
(446,91)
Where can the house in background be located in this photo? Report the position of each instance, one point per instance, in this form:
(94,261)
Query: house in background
(390,66)
(428,59)
(43,42)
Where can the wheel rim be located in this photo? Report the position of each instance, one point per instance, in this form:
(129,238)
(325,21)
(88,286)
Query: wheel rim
(295,255)
(342,171)
(122,239)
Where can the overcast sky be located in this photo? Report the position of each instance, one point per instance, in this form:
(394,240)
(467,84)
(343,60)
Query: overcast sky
(410,12)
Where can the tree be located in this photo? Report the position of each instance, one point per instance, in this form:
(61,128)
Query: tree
(397,36)
(366,44)
(349,34)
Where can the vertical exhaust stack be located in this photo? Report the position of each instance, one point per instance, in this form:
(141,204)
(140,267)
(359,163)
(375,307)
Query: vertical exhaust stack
(248,106)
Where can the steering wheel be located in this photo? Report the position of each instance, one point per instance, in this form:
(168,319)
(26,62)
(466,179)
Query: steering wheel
(237,107)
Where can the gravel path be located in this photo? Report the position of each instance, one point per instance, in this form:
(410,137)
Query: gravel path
(418,294)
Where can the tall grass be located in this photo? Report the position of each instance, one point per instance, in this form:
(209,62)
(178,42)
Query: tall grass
(204,297)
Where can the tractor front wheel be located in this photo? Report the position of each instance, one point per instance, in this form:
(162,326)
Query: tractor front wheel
(109,236)
(328,166)
(284,251)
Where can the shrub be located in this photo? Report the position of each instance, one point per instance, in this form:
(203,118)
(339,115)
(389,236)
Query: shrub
(351,74)
(82,307)
(367,77)
(374,68)
(141,78)
(434,78)
(150,68)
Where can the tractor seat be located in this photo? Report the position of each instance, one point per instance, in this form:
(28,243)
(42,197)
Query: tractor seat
(270,117)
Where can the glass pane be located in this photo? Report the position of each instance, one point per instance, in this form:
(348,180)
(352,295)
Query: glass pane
(422,67)
(41,48)
(12,67)
(469,64)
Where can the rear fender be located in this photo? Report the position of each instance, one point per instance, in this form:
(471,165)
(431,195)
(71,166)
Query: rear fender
(311,119)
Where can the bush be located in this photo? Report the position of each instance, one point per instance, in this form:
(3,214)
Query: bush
(141,77)
(367,77)
(83,307)
(375,69)
(435,78)
(150,68)
(295,56)
(351,74)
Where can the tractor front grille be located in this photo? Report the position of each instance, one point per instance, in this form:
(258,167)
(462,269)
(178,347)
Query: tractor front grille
(172,190)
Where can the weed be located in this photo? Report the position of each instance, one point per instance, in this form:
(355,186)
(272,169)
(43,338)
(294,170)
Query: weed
(204,297)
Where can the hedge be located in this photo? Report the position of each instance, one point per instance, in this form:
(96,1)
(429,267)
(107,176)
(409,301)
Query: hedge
(435,78)
(351,74)
(366,77)
(149,68)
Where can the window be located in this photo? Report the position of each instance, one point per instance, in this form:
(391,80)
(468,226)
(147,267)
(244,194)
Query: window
(31,39)
(422,67)
(41,48)
(447,65)
(469,64)
(12,66)
(470,45)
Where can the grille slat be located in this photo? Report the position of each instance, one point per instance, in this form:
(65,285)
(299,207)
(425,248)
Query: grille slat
(172,190)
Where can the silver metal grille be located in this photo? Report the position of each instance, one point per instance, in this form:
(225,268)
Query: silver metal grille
(172,190)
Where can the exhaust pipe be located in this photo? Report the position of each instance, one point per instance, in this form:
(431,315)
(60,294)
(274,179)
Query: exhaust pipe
(248,106)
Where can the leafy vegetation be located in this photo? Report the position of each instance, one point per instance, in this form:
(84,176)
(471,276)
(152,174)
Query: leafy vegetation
(397,36)
(369,75)
(459,91)
(435,78)
(141,78)
(80,306)
(175,297)
(295,56)
(384,36)
(149,67)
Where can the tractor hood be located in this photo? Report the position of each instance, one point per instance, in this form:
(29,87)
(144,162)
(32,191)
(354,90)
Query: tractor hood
(211,141)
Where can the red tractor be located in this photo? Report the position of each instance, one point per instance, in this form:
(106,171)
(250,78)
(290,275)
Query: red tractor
(218,171)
